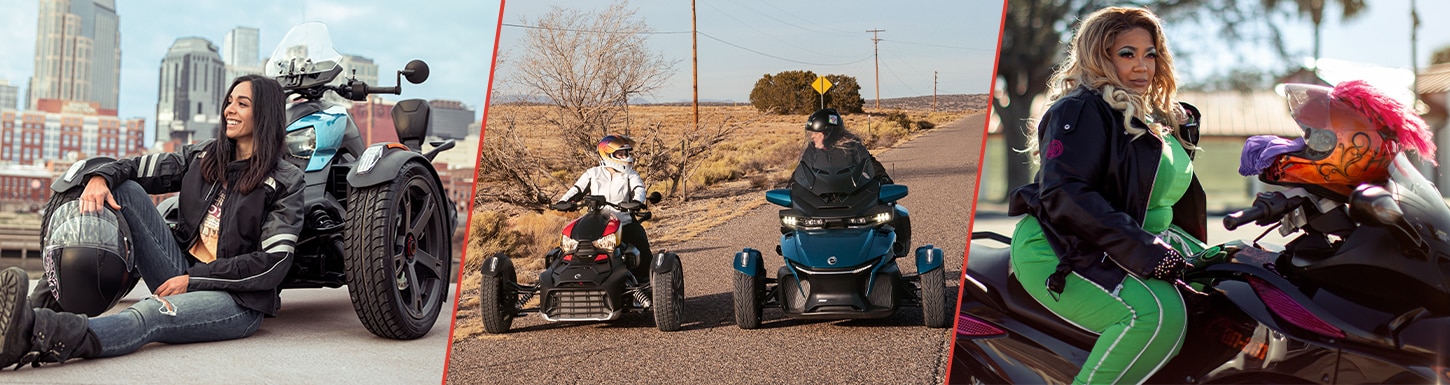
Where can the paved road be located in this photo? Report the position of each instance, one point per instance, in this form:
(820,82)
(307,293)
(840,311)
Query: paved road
(938,167)
(315,339)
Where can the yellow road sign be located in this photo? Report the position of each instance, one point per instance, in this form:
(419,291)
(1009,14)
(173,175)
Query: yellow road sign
(822,85)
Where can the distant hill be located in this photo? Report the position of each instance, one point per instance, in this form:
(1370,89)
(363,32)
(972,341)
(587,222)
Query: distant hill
(961,102)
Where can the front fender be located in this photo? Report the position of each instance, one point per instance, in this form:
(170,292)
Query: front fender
(748,261)
(928,258)
(75,175)
(664,263)
(498,265)
(380,162)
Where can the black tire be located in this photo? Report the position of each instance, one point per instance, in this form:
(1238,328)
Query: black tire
(933,298)
(498,300)
(748,290)
(669,296)
(399,253)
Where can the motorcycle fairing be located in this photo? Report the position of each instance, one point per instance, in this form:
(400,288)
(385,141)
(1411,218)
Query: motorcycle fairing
(328,126)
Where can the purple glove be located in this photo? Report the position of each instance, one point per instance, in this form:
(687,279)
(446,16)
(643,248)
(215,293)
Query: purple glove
(1261,150)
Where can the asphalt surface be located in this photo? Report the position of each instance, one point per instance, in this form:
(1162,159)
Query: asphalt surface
(939,168)
(315,339)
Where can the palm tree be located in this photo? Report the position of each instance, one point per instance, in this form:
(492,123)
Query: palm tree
(1314,9)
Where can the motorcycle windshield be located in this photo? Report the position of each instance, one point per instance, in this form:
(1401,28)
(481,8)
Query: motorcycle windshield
(70,227)
(307,49)
(834,191)
(1419,199)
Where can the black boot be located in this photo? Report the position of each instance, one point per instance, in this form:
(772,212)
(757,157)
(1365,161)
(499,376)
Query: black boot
(36,336)
(16,317)
(57,337)
(44,297)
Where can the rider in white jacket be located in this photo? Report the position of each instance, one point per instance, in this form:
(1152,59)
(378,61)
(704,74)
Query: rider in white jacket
(620,185)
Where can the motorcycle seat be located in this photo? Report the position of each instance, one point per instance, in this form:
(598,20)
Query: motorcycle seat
(992,266)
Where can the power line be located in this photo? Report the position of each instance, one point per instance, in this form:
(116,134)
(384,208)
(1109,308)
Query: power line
(770,35)
(796,25)
(702,33)
(942,46)
(868,57)
(595,31)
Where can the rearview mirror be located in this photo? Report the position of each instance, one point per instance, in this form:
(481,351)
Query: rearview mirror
(893,192)
(779,197)
(654,197)
(416,71)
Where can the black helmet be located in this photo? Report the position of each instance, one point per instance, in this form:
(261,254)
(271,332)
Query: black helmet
(825,120)
(87,256)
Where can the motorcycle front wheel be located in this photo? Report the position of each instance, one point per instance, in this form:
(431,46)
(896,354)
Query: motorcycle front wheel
(399,253)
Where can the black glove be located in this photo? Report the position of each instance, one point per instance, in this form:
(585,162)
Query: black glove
(631,205)
(562,206)
(1171,267)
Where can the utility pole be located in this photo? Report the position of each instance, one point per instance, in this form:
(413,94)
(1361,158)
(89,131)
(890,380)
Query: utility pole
(876,52)
(934,75)
(695,63)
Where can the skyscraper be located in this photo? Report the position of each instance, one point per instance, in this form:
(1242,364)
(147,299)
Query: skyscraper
(77,53)
(9,95)
(239,53)
(188,105)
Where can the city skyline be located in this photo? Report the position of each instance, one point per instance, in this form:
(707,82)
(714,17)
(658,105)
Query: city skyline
(77,53)
(450,36)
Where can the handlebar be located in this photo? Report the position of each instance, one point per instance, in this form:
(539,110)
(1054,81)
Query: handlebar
(1243,217)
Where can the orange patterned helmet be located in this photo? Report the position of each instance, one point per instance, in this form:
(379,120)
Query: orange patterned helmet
(617,151)
(1352,133)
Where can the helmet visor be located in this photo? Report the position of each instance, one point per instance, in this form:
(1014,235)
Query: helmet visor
(1324,119)
(69,227)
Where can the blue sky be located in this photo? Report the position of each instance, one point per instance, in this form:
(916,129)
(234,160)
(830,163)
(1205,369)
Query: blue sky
(454,37)
(1381,37)
(956,38)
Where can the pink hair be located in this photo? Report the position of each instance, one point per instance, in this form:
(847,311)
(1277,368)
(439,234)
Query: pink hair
(1410,131)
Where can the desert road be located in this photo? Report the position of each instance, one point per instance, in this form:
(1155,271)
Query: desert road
(940,170)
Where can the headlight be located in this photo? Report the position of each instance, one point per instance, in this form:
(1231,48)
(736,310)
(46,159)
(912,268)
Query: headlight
(568,245)
(791,221)
(874,219)
(369,159)
(881,218)
(607,244)
(301,143)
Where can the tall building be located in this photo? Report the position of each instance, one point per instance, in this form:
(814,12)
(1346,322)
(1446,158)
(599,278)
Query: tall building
(450,119)
(77,53)
(188,105)
(9,96)
(359,66)
(239,53)
(58,129)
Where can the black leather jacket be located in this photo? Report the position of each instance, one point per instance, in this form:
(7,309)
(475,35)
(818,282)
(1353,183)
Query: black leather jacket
(259,229)
(1091,194)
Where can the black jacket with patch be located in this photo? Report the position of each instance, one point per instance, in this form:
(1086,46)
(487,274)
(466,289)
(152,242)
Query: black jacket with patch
(1091,194)
(258,232)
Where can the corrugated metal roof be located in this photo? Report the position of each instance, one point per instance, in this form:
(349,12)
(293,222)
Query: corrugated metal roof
(1435,79)
(1226,113)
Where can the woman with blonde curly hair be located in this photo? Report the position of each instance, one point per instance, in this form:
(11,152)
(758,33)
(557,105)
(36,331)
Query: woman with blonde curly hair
(1115,207)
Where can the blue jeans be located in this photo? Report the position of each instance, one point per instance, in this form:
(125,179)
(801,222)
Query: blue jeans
(192,317)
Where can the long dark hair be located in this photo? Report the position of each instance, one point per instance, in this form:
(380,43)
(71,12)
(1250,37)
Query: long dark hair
(269,111)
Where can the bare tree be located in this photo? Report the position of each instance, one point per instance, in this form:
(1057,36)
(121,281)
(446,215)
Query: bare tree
(588,64)
(509,171)
(674,158)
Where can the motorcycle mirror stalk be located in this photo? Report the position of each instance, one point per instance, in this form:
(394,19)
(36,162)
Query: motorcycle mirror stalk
(416,71)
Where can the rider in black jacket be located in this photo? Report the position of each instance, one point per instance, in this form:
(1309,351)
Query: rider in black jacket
(833,148)
(1116,208)
(216,274)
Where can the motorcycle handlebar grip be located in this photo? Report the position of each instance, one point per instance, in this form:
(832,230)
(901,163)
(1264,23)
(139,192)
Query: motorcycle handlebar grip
(1242,217)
